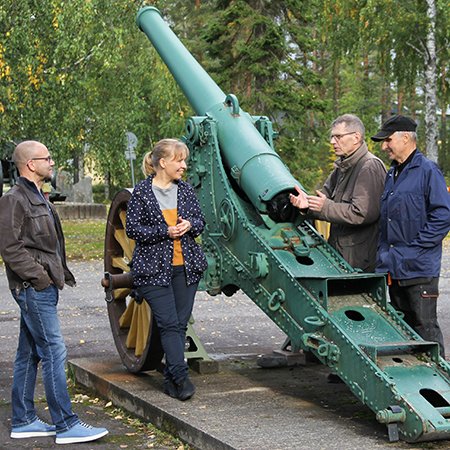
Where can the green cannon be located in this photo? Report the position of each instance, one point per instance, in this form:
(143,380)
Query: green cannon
(255,241)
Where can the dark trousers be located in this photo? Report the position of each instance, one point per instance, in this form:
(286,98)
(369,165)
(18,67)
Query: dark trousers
(418,302)
(172,308)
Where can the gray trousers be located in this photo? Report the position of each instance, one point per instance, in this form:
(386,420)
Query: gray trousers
(418,302)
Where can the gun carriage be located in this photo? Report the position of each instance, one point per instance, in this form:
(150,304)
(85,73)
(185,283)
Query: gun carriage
(257,242)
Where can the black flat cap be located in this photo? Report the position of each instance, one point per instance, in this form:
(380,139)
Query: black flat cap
(396,123)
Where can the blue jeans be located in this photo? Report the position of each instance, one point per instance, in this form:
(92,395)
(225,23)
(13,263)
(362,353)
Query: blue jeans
(40,339)
(172,308)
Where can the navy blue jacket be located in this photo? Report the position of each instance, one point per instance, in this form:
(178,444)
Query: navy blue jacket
(153,253)
(415,218)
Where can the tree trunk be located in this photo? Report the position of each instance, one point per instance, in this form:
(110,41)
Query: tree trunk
(336,88)
(107,185)
(399,103)
(443,157)
(431,125)
(76,168)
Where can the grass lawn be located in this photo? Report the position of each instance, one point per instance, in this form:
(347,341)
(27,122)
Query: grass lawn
(85,239)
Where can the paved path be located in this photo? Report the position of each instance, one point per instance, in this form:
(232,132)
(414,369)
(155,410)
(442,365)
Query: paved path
(246,406)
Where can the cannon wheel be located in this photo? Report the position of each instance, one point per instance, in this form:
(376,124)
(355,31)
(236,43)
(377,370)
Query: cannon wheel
(135,333)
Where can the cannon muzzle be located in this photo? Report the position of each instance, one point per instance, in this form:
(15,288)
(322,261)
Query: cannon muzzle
(251,161)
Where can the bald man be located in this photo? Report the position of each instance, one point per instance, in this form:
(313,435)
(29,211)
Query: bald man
(32,248)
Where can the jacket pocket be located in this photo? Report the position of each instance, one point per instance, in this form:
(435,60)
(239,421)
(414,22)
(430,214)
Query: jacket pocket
(38,225)
(149,260)
(198,261)
(416,260)
(347,196)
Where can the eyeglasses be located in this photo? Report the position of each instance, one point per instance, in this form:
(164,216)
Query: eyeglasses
(47,158)
(338,136)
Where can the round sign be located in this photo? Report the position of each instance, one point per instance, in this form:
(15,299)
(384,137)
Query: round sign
(132,140)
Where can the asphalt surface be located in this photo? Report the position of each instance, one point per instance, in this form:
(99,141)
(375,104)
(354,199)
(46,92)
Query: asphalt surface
(247,407)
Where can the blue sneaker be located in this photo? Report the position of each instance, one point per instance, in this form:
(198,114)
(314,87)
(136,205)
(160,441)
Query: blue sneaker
(34,429)
(81,432)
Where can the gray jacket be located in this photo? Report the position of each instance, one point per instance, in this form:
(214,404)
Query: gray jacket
(32,241)
(353,206)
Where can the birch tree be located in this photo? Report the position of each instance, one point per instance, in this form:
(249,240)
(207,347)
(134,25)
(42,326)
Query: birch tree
(405,35)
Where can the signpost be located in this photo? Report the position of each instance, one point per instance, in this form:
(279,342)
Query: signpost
(129,153)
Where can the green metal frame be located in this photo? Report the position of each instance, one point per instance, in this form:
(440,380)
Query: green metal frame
(322,304)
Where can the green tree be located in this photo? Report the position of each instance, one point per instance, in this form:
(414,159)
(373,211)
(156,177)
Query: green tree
(77,75)
(262,52)
(405,39)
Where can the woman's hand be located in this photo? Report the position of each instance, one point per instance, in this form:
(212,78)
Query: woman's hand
(182,227)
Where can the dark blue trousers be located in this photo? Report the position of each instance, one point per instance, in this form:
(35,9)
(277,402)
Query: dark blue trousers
(172,308)
(418,302)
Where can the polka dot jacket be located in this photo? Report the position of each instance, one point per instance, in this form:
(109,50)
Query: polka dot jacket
(153,253)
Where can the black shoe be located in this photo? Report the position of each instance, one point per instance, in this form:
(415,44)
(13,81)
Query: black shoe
(170,388)
(334,378)
(186,389)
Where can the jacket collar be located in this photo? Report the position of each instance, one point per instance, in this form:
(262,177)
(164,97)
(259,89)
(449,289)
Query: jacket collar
(415,162)
(346,163)
(150,196)
(31,191)
(417,159)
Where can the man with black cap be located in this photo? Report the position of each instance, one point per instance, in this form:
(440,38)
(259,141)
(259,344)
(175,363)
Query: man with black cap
(415,218)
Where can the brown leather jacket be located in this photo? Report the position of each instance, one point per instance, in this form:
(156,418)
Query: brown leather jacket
(32,241)
(353,206)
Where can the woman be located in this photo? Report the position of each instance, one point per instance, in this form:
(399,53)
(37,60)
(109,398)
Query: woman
(164,218)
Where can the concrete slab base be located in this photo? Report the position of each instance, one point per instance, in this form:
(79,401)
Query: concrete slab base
(243,406)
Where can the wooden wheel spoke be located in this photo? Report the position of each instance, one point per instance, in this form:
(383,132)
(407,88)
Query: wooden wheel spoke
(126,244)
(121,293)
(137,319)
(120,263)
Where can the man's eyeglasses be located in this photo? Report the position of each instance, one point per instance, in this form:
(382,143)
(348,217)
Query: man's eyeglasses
(338,136)
(47,158)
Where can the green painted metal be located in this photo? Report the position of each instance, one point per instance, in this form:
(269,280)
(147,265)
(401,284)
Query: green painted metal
(320,302)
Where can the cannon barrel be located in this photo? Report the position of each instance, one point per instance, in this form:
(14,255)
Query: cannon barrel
(246,153)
